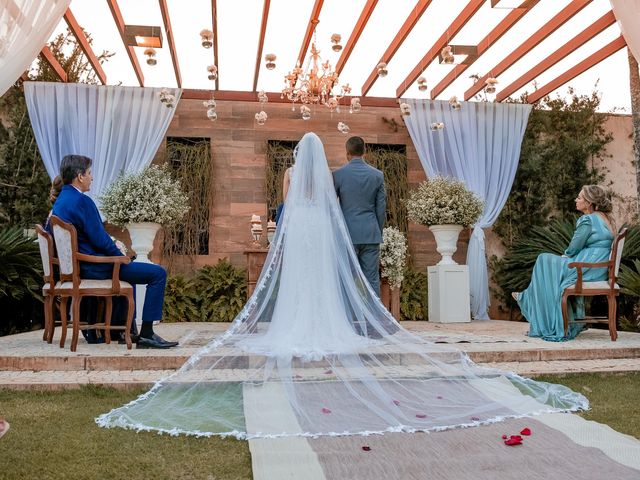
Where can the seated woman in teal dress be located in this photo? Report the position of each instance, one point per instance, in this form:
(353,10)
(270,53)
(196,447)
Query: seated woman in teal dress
(540,303)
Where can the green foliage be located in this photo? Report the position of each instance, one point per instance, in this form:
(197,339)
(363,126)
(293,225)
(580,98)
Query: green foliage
(24,182)
(413,296)
(279,157)
(217,293)
(222,289)
(562,139)
(20,282)
(392,161)
(191,236)
(181,303)
(20,265)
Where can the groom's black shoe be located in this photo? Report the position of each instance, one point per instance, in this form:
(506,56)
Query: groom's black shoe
(155,341)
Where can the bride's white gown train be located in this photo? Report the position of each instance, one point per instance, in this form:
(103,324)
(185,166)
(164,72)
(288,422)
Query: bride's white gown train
(314,352)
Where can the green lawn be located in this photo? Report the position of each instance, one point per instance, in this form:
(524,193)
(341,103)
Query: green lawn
(53,435)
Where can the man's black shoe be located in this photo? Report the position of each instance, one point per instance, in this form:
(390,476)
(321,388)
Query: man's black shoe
(156,341)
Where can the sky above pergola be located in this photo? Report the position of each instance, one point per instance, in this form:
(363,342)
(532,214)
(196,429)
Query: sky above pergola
(239,31)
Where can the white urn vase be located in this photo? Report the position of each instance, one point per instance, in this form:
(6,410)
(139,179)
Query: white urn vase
(446,241)
(142,236)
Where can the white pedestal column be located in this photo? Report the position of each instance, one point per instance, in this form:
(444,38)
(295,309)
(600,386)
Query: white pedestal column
(449,300)
(142,236)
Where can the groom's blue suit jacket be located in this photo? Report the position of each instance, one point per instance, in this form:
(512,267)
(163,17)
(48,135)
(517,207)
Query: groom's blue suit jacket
(76,208)
(360,188)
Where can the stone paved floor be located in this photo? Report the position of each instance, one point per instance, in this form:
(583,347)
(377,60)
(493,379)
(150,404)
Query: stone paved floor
(26,361)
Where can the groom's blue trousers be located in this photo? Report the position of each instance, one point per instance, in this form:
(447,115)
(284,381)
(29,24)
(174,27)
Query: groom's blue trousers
(369,259)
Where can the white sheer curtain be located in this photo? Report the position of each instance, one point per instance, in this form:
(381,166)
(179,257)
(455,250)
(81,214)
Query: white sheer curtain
(480,145)
(25,27)
(120,128)
(627,14)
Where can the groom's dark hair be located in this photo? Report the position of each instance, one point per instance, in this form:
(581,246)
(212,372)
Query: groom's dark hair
(72,166)
(355,146)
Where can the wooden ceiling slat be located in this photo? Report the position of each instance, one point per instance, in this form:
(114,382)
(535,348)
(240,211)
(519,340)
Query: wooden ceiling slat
(492,37)
(593,59)
(214,24)
(313,20)
(53,63)
(460,21)
(397,41)
(355,35)
(172,46)
(583,37)
(547,29)
(78,32)
(117,17)
(263,31)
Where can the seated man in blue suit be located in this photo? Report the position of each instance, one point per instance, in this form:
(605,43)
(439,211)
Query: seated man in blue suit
(73,206)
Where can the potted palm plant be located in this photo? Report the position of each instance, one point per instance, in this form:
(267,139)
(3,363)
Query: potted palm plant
(445,206)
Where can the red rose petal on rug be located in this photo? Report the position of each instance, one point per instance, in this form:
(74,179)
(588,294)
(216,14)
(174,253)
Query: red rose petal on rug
(525,431)
(396,402)
(366,448)
(504,437)
(325,410)
(420,415)
(512,442)
(517,438)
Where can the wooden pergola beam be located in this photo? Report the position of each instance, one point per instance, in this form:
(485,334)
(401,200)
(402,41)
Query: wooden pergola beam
(576,42)
(274,97)
(534,40)
(458,23)
(117,17)
(48,57)
(172,46)
(313,21)
(214,25)
(397,41)
(492,37)
(263,31)
(78,32)
(367,10)
(593,59)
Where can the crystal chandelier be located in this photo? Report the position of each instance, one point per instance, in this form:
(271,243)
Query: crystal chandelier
(314,83)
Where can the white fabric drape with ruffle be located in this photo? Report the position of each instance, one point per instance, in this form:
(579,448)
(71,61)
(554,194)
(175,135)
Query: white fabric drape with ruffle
(120,128)
(25,27)
(479,145)
(627,13)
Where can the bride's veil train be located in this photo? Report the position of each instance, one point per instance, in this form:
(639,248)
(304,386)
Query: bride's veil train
(314,352)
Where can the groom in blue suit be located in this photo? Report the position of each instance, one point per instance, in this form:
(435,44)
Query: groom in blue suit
(74,207)
(360,189)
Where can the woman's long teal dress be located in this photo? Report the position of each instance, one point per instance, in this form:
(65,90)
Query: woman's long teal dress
(541,302)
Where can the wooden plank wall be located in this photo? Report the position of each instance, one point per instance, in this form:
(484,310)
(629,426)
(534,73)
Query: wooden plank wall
(238,151)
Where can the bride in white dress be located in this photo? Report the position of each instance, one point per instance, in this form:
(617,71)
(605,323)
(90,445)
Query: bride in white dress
(314,351)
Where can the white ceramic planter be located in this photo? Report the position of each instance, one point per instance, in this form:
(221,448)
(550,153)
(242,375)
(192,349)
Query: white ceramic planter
(142,235)
(446,241)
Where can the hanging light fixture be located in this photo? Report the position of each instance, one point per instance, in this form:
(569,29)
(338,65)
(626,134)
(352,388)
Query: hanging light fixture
(270,58)
(314,83)
(382,69)
(213,72)
(206,37)
(150,53)
(335,39)
(490,85)
(422,84)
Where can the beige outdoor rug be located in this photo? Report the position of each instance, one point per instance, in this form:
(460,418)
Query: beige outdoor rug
(561,446)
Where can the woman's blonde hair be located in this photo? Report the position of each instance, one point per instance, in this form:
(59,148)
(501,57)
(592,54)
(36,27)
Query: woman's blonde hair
(600,200)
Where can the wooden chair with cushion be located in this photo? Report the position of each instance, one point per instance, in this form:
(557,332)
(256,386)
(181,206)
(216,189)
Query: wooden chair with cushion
(74,287)
(608,287)
(45,242)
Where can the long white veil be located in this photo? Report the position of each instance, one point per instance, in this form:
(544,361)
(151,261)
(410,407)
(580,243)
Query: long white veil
(314,351)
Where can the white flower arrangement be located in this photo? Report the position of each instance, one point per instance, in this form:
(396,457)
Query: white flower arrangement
(444,201)
(149,196)
(393,254)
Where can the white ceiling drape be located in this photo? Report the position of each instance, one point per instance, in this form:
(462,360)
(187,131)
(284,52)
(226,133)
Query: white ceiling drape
(25,27)
(627,14)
